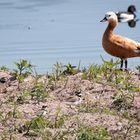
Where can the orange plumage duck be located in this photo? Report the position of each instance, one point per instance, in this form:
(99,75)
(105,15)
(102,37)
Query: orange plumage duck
(116,45)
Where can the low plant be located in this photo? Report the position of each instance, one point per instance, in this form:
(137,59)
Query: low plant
(57,71)
(92,72)
(89,106)
(63,134)
(4,68)
(89,133)
(39,92)
(8,121)
(24,97)
(109,69)
(35,126)
(111,64)
(57,74)
(123,101)
(131,131)
(5,135)
(59,119)
(23,69)
(69,69)
(39,125)
(101,72)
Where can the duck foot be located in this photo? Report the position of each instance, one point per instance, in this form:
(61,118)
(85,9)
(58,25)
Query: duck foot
(121,67)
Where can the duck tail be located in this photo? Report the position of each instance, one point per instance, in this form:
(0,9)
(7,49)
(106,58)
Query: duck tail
(138,48)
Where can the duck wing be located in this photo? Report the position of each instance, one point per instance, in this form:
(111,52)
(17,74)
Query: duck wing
(126,43)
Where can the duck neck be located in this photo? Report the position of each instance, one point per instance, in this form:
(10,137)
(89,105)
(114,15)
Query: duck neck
(110,27)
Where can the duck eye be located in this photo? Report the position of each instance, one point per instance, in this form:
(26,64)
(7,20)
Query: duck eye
(108,16)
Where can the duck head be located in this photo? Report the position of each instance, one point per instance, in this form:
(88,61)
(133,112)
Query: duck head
(110,17)
(131,9)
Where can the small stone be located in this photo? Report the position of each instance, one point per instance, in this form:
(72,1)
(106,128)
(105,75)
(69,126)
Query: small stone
(138,115)
(10,89)
(3,90)
(3,80)
(119,124)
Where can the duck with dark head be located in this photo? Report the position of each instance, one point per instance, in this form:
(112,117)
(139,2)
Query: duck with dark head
(128,16)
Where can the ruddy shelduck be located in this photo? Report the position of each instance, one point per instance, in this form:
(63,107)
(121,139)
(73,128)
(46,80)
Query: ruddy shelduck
(117,45)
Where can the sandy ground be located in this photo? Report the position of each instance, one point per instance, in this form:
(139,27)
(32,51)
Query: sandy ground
(79,102)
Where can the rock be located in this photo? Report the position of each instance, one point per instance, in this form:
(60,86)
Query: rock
(119,126)
(137,102)
(3,90)
(6,77)
(138,115)
(3,80)
(12,78)
(10,89)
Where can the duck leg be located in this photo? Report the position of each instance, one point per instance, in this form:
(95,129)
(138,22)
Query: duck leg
(125,64)
(121,67)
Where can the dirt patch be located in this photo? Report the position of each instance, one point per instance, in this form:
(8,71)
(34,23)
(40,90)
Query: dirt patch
(68,106)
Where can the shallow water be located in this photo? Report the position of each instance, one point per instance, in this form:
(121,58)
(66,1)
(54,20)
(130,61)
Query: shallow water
(47,31)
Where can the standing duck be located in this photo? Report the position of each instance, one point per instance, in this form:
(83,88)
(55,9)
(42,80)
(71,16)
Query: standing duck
(117,45)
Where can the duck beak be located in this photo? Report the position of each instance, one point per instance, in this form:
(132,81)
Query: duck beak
(104,19)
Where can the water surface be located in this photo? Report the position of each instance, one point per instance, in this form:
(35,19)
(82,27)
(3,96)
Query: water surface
(47,31)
